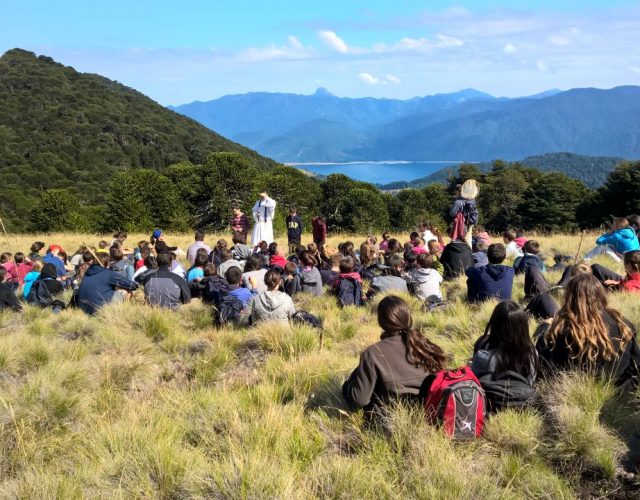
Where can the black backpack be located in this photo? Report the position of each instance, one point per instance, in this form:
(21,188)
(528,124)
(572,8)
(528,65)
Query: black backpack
(306,318)
(40,296)
(228,311)
(350,292)
(470,212)
(506,390)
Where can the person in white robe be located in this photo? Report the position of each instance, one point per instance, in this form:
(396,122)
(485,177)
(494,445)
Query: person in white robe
(263,212)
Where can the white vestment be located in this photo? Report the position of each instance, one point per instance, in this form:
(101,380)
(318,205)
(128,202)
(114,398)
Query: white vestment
(263,212)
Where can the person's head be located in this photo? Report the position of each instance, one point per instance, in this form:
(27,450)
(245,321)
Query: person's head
(233,275)
(116,254)
(347,249)
(367,254)
(631,262)
(116,244)
(418,241)
(394,317)
(174,257)
(385,236)
(532,247)
(312,248)
(236,211)
(121,236)
(580,321)
(221,244)
(199,236)
(293,211)
(335,261)
(143,244)
(226,255)
(102,260)
(273,247)
(580,268)
(49,271)
(371,239)
(239,238)
(55,249)
(434,247)
(253,263)
(508,236)
(145,252)
(151,262)
(393,246)
(425,261)
(164,260)
(6,257)
(87,257)
(156,235)
(347,265)
(634,221)
(396,263)
(210,269)
(413,236)
(103,245)
(272,279)
(321,220)
(519,233)
(508,334)
(263,195)
(619,223)
(478,247)
(410,257)
(290,268)
(3,274)
(201,260)
(307,259)
(202,251)
(36,266)
(37,247)
(496,253)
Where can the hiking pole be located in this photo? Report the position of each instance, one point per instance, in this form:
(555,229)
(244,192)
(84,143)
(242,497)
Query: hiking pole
(6,235)
(95,257)
(575,259)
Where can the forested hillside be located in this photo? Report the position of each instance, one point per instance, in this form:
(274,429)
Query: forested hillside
(64,129)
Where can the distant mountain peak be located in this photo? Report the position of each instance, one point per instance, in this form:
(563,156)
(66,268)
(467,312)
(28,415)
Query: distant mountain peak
(321,91)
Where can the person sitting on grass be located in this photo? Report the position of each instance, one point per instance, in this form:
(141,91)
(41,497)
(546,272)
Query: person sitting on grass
(199,244)
(158,243)
(310,279)
(196,273)
(163,288)
(120,264)
(48,278)
(480,258)
(331,274)
(36,248)
(613,281)
(53,257)
(521,239)
(394,368)
(493,281)
(272,305)
(384,244)
(530,257)
(8,299)
(391,278)
(513,250)
(348,286)
(618,241)
(31,277)
(291,279)
(233,275)
(277,257)
(100,285)
(456,258)
(480,235)
(425,279)
(253,267)
(505,359)
(588,335)
(150,265)
(227,262)
(240,250)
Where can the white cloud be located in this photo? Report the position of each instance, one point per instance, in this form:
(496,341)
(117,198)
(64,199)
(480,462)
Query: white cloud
(333,41)
(292,50)
(294,42)
(510,49)
(559,40)
(393,79)
(369,79)
(448,41)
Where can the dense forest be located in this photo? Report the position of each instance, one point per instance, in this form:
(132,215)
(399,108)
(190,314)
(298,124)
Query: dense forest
(60,129)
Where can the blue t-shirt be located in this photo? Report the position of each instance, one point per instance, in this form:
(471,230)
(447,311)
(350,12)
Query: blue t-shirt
(243,294)
(195,273)
(56,261)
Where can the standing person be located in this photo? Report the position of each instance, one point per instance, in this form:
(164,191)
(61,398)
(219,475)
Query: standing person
(319,228)
(263,212)
(464,211)
(294,230)
(394,368)
(192,251)
(239,222)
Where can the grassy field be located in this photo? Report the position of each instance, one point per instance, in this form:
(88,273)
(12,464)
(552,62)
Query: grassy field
(140,402)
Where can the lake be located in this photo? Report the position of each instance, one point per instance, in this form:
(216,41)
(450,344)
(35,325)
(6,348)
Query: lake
(378,172)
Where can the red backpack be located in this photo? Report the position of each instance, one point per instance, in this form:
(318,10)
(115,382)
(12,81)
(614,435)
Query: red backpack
(455,400)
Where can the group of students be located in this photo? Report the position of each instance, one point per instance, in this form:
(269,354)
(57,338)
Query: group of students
(246,285)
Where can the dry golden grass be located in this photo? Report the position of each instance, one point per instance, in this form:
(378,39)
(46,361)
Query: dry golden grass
(138,402)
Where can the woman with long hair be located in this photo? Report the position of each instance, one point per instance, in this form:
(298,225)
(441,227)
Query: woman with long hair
(589,335)
(506,344)
(395,367)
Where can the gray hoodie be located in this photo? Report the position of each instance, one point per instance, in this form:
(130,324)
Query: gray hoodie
(311,281)
(271,306)
(426,283)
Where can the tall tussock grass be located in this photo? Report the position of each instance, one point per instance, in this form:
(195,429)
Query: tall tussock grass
(143,402)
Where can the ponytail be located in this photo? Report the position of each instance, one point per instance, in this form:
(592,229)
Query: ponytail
(423,353)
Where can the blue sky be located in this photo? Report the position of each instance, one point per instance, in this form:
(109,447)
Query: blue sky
(177,52)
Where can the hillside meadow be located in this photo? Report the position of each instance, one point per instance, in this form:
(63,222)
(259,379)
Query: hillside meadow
(141,402)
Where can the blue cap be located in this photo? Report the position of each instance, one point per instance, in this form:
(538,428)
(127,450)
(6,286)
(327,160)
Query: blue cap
(157,233)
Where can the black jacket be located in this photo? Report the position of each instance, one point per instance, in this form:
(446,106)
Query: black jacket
(620,369)
(294,227)
(8,298)
(162,247)
(166,289)
(456,258)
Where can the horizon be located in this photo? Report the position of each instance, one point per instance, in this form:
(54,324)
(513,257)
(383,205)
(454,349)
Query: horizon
(204,51)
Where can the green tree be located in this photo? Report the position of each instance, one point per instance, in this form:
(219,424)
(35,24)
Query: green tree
(412,209)
(438,201)
(366,211)
(58,210)
(550,203)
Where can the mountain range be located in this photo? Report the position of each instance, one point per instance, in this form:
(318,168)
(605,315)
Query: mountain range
(468,125)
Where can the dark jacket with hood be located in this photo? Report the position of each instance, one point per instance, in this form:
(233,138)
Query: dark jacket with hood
(490,281)
(456,258)
(165,288)
(8,299)
(98,288)
(49,275)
